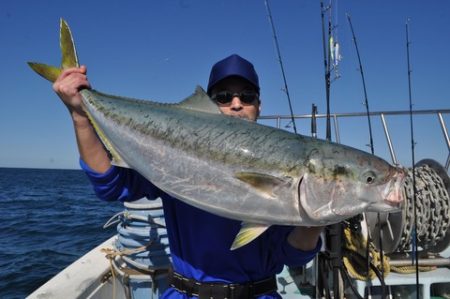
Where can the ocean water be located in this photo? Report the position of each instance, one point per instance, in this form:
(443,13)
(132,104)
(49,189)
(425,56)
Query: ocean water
(49,218)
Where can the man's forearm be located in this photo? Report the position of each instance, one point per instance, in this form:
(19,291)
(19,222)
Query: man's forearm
(89,145)
(304,238)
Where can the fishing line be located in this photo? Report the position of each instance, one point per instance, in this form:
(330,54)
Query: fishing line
(415,240)
(277,47)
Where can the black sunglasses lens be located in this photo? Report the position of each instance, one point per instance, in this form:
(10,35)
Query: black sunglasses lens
(248,97)
(223,97)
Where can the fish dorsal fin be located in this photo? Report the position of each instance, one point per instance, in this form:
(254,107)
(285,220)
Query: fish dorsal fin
(264,183)
(200,101)
(248,232)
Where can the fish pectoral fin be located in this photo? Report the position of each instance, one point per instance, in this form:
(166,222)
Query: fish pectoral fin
(200,101)
(248,233)
(264,183)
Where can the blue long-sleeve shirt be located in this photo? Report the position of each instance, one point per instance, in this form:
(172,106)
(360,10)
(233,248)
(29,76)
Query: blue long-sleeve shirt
(200,241)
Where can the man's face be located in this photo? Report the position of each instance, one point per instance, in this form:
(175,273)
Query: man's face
(242,95)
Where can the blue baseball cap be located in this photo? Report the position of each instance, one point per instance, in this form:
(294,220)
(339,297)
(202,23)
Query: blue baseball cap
(233,65)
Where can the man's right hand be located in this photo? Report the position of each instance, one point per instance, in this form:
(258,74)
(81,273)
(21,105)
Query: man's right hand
(68,86)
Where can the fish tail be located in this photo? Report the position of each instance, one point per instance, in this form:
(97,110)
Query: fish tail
(69,55)
(49,72)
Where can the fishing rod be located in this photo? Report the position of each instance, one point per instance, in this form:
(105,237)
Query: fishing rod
(277,47)
(326,58)
(334,233)
(366,100)
(415,240)
(366,104)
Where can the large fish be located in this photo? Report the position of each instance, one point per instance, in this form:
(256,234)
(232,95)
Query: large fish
(232,167)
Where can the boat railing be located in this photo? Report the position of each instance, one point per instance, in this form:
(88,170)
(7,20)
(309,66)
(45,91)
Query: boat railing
(440,114)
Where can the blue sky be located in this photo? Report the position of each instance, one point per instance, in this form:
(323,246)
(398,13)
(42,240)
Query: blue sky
(161,50)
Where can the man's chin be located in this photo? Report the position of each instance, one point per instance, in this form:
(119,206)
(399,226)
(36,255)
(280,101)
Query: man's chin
(243,116)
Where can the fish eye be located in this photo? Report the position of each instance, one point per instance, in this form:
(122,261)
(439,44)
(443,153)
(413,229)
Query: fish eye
(369,177)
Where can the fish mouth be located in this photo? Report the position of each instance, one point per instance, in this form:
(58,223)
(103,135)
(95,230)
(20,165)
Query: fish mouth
(392,193)
(394,189)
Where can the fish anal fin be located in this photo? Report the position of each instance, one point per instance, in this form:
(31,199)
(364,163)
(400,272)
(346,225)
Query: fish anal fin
(119,162)
(200,101)
(264,183)
(116,158)
(248,233)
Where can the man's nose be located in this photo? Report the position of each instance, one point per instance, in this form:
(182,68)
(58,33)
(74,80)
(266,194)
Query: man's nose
(236,103)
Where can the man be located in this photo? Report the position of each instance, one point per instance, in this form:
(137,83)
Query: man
(203,263)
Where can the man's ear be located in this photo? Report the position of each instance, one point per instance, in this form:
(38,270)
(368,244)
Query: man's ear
(259,108)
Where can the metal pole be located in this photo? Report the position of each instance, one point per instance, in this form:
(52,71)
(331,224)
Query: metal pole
(336,128)
(388,139)
(445,132)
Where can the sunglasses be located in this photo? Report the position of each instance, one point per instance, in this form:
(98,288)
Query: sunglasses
(225,97)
